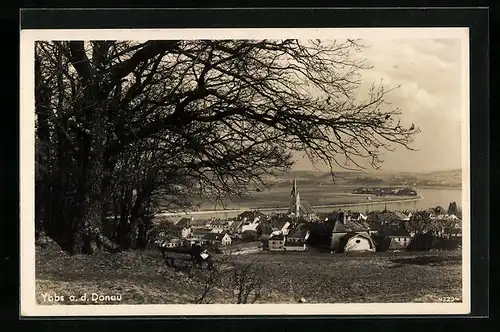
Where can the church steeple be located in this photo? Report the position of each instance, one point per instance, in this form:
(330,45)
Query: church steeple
(295,199)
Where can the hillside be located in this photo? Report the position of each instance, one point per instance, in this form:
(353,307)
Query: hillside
(141,277)
(449,178)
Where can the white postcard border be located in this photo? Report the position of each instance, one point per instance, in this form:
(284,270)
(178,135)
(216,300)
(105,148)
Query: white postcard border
(28,305)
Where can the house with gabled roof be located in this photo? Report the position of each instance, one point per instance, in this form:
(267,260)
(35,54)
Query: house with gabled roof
(345,229)
(217,239)
(359,242)
(296,241)
(199,233)
(180,232)
(399,238)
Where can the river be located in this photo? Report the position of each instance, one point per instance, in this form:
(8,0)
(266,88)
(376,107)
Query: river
(439,197)
(429,197)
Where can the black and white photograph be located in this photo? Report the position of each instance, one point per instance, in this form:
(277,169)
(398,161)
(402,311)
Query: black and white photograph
(241,171)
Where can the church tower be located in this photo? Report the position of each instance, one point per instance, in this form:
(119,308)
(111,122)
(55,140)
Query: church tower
(295,200)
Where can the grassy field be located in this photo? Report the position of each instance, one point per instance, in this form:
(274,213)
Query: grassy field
(141,277)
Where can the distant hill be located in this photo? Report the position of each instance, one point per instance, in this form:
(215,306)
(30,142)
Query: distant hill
(448,178)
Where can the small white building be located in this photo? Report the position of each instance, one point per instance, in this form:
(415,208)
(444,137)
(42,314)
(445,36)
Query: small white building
(360,242)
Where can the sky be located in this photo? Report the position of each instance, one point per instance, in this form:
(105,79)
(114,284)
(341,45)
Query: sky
(429,72)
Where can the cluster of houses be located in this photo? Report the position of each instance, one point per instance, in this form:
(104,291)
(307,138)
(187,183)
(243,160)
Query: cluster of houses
(214,232)
(339,231)
(345,231)
(398,191)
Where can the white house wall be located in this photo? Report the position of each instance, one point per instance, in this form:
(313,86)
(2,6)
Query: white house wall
(363,245)
(295,248)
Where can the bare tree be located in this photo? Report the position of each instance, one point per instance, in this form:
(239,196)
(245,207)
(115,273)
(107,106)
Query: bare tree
(248,281)
(117,119)
(245,279)
(210,280)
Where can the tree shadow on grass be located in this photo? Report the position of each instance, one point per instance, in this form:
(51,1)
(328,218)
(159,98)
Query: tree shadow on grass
(427,260)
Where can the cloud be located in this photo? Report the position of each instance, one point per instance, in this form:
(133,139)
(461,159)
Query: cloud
(429,72)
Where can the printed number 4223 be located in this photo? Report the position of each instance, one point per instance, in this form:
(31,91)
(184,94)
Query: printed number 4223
(449,299)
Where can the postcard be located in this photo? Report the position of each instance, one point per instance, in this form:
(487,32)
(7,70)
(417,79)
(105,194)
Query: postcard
(201,172)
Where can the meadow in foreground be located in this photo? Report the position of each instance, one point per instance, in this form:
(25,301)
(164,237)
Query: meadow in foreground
(141,277)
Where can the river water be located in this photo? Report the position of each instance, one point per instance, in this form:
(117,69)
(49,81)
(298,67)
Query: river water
(439,197)
(430,197)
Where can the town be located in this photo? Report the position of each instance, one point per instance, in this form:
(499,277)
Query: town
(386,191)
(302,229)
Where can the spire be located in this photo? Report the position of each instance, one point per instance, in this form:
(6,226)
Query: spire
(294,188)
(295,199)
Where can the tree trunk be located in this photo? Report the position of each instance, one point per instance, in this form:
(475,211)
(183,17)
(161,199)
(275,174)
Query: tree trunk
(87,234)
(88,223)
(43,169)
(137,231)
